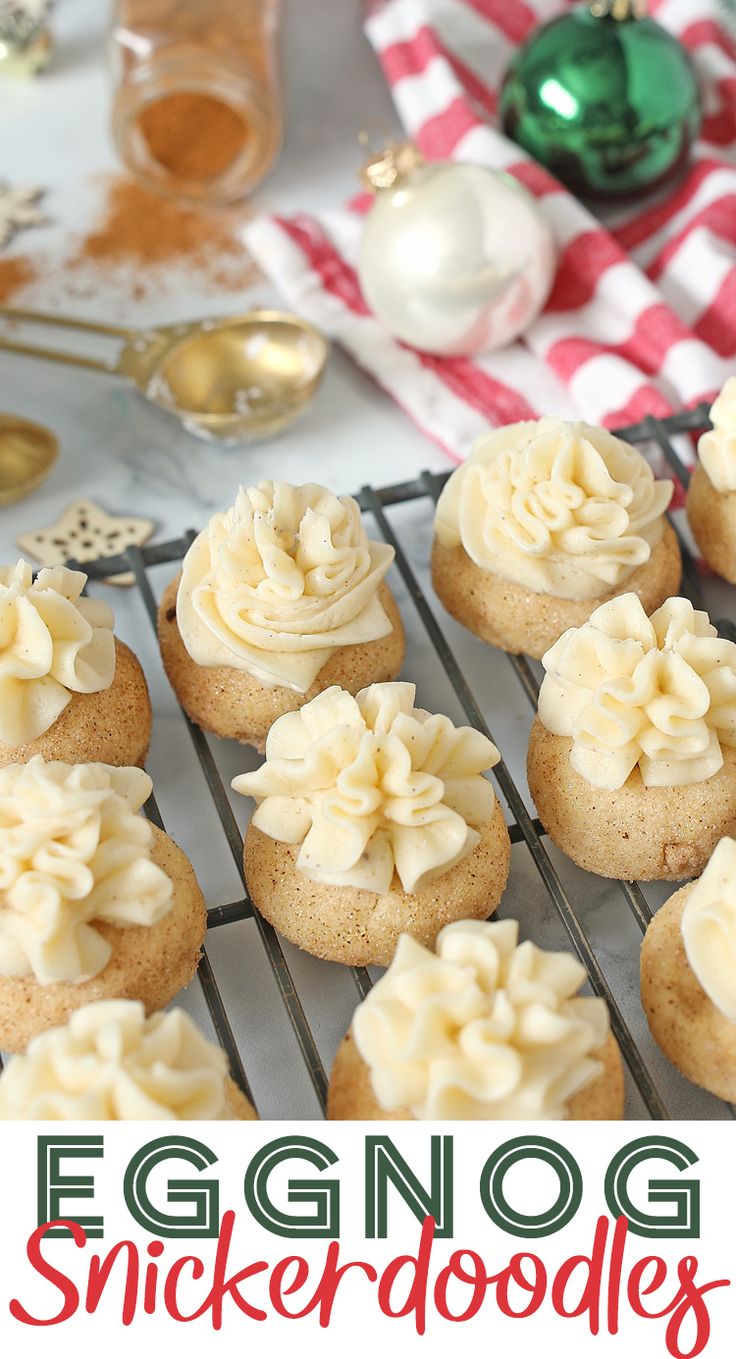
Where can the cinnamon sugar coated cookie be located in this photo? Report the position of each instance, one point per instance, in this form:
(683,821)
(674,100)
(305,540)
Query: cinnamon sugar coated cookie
(111,1062)
(238,1104)
(712,517)
(95,902)
(711,496)
(688,976)
(543,522)
(68,689)
(486,1028)
(111,727)
(516,619)
(359,927)
(664,834)
(351,1096)
(150,963)
(279,597)
(234,704)
(632,758)
(373,817)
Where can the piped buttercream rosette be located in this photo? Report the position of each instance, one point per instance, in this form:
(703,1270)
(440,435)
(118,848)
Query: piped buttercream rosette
(709,928)
(53,643)
(111,1062)
(717,447)
(658,693)
(279,582)
(562,508)
(74,852)
(372,786)
(485,1028)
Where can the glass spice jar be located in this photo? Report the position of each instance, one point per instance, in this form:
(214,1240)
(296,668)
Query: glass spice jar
(197,111)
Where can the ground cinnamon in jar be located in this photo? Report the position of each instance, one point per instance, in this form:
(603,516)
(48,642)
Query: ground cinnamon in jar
(194,136)
(197,106)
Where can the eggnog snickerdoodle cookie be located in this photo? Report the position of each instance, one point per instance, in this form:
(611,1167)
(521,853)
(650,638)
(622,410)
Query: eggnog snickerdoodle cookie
(711,496)
(545,521)
(69,690)
(111,1062)
(485,1028)
(95,902)
(688,976)
(280,598)
(373,819)
(632,758)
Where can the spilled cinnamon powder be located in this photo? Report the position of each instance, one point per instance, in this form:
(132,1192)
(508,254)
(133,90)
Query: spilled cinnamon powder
(141,228)
(134,251)
(143,234)
(194,136)
(16,273)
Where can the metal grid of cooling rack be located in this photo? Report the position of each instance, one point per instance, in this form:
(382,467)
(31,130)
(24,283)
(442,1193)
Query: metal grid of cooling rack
(523,827)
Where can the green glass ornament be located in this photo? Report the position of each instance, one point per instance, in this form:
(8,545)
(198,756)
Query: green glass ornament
(606,98)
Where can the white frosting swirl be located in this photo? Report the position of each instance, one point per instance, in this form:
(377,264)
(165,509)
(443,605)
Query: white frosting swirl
(486,1028)
(709,928)
(717,447)
(369,786)
(561,508)
(73,851)
(281,580)
(655,692)
(110,1062)
(53,643)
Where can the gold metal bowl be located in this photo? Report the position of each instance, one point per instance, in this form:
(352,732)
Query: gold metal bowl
(27,454)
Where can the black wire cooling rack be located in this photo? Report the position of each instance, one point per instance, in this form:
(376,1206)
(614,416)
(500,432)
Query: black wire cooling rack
(523,827)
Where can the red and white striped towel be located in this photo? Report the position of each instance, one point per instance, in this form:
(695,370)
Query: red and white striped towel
(642,316)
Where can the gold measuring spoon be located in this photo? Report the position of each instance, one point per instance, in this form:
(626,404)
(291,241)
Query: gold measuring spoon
(234,377)
(27,453)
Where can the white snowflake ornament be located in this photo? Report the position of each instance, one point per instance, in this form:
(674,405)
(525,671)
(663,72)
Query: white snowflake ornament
(18,209)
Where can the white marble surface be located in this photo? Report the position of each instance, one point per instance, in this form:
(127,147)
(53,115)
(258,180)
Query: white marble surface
(54,132)
(133,458)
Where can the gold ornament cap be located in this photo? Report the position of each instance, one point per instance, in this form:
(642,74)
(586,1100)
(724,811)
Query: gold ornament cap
(394,162)
(25,42)
(618,9)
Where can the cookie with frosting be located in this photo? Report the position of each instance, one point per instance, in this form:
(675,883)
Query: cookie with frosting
(279,598)
(69,690)
(688,975)
(711,496)
(373,818)
(111,1062)
(544,521)
(95,901)
(632,756)
(485,1027)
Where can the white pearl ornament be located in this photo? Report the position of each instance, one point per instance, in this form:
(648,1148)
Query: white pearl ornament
(455,259)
